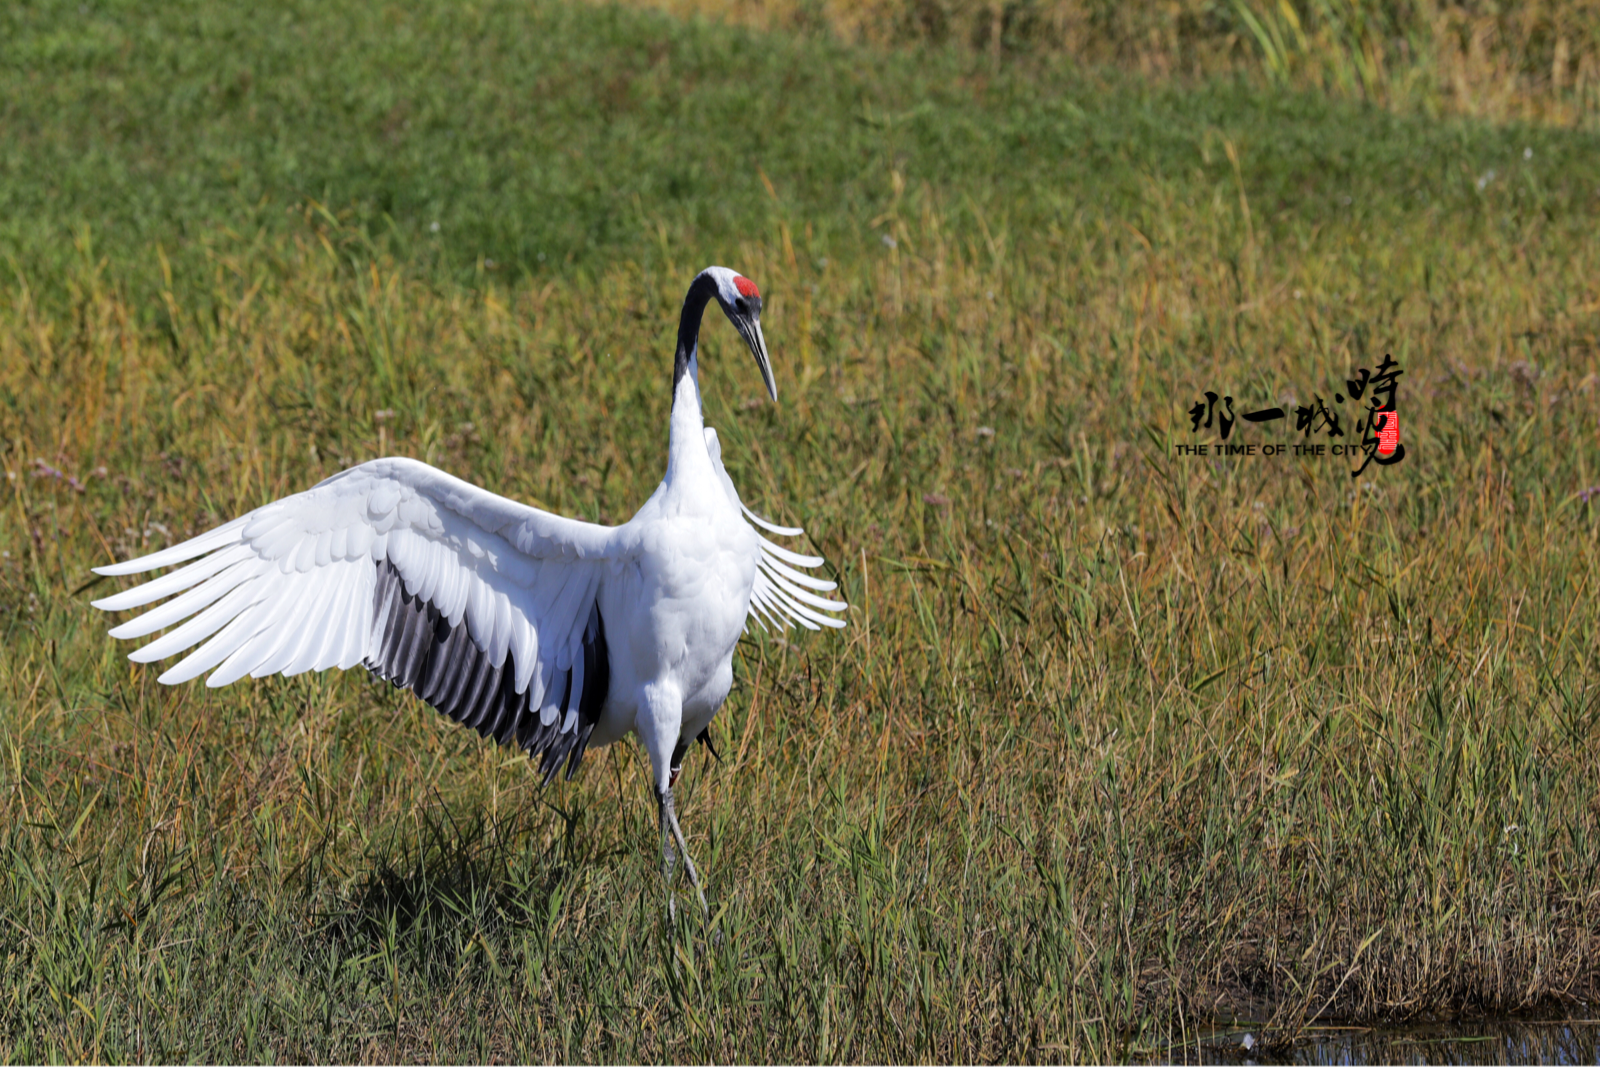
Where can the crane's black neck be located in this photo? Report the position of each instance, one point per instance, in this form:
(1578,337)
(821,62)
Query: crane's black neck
(701,290)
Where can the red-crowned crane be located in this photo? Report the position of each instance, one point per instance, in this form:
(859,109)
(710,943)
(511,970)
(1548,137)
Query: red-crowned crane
(546,632)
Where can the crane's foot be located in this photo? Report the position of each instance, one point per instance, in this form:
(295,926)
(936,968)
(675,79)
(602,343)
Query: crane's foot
(669,824)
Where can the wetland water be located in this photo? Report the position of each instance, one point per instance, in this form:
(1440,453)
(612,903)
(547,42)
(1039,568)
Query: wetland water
(1569,1041)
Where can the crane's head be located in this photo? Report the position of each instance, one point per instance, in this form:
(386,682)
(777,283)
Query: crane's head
(741,302)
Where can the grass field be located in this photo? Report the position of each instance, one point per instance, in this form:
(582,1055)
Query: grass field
(1119,741)
(1527,61)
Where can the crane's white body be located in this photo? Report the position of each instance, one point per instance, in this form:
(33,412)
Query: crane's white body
(528,626)
(687,565)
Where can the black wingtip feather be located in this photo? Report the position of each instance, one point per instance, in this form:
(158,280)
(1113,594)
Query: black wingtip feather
(584,730)
(448,668)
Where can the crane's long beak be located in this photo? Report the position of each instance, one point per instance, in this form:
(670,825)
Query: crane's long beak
(749,327)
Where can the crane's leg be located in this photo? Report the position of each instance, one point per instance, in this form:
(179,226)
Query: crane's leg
(671,813)
(659,723)
(663,799)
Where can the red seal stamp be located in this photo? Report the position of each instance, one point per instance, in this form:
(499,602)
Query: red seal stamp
(1388,423)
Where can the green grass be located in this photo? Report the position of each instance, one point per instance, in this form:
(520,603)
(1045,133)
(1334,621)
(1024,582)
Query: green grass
(1531,62)
(1119,742)
(587,134)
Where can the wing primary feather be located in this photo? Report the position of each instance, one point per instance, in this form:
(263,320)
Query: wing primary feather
(225,534)
(403,655)
(596,669)
(469,657)
(182,607)
(421,632)
(799,609)
(500,646)
(761,598)
(780,621)
(281,606)
(555,695)
(351,631)
(771,527)
(253,653)
(579,748)
(524,649)
(318,631)
(358,622)
(508,705)
(248,655)
(388,606)
(430,670)
(794,558)
(555,752)
(312,623)
(802,596)
(177,580)
(802,614)
(779,606)
(575,686)
(475,707)
(228,640)
(459,651)
(198,628)
(441,666)
(464,680)
(494,702)
(292,627)
(799,578)
(329,645)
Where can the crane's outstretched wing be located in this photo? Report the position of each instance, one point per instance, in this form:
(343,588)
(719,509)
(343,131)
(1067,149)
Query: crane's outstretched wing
(782,594)
(484,607)
(778,592)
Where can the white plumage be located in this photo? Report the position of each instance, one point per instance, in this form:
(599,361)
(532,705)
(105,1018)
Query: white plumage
(534,629)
